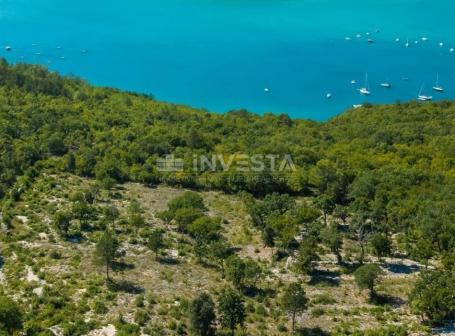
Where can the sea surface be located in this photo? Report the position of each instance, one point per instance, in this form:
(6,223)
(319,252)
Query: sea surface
(280,56)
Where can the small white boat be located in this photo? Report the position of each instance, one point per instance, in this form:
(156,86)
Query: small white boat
(8,48)
(441,44)
(386,85)
(356,106)
(266,90)
(353,82)
(366,89)
(451,50)
(437,87)
(416,42)
(422,97)
(328,95)
(347,38)
(424,38)
(358,36)
(370,40)
(397,39)
(407,44)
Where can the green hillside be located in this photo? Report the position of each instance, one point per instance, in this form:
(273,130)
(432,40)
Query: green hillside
(95,233)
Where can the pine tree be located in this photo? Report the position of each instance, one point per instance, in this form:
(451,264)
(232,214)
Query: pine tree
(294,301)
(106,251)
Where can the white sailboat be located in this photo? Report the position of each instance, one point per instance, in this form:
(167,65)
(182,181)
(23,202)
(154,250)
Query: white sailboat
(366,89)
(437,87)
(422,97)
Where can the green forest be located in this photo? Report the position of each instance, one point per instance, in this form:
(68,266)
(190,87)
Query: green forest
(370,185)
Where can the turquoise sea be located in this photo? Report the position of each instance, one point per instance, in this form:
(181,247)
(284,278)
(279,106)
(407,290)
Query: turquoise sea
(222,54)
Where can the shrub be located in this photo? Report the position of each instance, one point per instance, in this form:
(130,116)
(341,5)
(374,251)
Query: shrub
(141,317)
(100,308)
(366,277)
(139,301)
(317,312)
(429,297)
(202,315)
(10,315)
(323,299)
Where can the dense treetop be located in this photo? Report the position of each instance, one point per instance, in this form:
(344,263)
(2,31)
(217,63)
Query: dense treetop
(110,134)
(392,161)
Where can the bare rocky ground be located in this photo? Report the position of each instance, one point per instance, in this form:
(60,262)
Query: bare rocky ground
(336,303)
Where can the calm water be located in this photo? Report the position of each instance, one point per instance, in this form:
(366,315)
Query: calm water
(221,54)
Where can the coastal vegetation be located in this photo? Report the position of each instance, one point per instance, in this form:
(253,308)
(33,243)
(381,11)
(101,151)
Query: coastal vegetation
(358,239)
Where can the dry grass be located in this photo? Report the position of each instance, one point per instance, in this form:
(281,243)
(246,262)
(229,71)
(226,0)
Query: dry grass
(171,284)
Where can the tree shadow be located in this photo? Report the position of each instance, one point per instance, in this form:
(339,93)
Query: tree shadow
(151,185)
(75,239)
(445,330)
(350,267)
(400,268)
(124,286)
(315,331)
(234,249)
(167,260)
(208,264)
(386,300)
(330,278)
(254,291)
(116,194)
(88,227)
(280,255)
(122,266)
